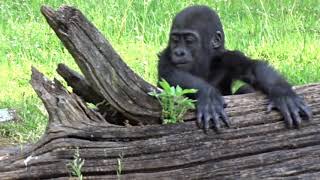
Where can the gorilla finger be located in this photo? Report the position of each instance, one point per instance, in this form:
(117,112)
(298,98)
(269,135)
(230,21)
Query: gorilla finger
(288,119)
(199,119)
(304,110)
(270,107)
(286,114)
(294,112)
(206,122)
(296,119)
(224,104)
(215,122)
(225,119)
(215,117)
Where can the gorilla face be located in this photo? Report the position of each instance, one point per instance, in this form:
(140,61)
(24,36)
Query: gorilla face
(196,35)
(184,47)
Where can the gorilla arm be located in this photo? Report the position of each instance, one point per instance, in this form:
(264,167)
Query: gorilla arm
(262,77)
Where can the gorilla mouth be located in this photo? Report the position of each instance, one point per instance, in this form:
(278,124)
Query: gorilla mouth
(182,65)
(181,62)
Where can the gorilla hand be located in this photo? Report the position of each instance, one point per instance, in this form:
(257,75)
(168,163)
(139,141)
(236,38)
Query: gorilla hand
(210,107)
(291,107)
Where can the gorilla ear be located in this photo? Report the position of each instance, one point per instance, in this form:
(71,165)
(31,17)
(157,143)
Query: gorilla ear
(216,41)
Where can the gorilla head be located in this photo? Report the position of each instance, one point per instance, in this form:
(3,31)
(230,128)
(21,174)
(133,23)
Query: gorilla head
(196,34)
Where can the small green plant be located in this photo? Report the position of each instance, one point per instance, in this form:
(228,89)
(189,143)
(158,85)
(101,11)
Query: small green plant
(174,103)
(120,166)
(76,165)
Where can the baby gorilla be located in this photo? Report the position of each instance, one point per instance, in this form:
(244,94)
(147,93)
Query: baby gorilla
(196,58)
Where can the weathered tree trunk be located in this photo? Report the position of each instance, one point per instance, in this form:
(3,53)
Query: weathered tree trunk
(102,66)
(256,146)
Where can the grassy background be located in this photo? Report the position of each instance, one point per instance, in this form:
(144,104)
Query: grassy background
(286,33)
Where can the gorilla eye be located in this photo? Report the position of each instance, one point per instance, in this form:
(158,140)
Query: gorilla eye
(190,39)
(175,39)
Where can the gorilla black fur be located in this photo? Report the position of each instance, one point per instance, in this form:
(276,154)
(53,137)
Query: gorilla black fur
(196,58)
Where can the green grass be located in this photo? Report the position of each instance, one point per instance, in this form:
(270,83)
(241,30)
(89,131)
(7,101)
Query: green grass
(286,33)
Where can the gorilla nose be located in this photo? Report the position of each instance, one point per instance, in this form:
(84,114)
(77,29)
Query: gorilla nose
(179,52)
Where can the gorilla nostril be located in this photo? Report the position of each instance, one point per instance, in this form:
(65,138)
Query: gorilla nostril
(179,53)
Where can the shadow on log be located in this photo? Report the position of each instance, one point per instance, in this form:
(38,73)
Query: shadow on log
(256,146)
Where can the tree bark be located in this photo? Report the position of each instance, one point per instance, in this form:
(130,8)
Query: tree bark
(257,145)
(82,88)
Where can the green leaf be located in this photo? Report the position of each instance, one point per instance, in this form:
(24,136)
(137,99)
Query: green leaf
(153,93)
(165,85)
(179,91)
(172,91)
(189,91)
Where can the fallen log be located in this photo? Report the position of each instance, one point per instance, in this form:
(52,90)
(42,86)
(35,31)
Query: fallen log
(258,145)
